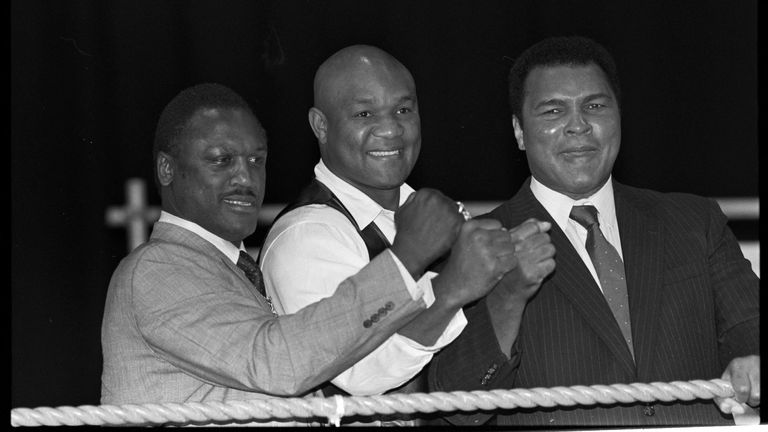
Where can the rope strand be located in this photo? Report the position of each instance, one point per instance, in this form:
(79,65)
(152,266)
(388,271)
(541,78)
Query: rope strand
(333,409)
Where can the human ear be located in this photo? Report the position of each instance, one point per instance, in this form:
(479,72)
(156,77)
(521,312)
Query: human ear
(164,166)
(518,132)
(319,124)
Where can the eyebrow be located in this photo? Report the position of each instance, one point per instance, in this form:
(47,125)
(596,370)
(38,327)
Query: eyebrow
(598,96)
(370,100)
(553,101)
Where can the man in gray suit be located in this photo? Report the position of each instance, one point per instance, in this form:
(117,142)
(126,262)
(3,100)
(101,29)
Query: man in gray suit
(186,318)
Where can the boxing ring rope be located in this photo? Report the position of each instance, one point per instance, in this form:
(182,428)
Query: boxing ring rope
(337,407)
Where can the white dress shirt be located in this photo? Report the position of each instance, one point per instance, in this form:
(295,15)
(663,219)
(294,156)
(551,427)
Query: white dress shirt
(559,207)
(311,249)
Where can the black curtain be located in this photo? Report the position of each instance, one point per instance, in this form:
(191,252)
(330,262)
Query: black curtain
(89,79)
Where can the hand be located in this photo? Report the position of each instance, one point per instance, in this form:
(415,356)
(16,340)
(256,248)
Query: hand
(427,225)
(482,254)
(508,299)
(744,375)
(535,255)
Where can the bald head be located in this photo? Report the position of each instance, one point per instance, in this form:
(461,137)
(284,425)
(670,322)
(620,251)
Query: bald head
(366,120)
(351,64)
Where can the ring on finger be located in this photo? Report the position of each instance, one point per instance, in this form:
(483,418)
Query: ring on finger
(463,211)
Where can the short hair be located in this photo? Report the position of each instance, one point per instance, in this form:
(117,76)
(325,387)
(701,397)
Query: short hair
(184,106)
(559,51)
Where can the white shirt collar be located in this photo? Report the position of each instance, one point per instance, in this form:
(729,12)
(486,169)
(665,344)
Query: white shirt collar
(559,205)
(360,206)
(226,247)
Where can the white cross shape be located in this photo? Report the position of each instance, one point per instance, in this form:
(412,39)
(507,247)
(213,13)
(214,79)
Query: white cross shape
(135,215)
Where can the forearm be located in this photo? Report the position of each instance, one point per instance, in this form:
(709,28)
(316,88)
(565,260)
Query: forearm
(506,315)
(473,361)
(427,327)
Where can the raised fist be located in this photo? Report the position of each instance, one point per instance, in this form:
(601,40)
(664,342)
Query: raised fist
(427,225)
(535,256)
(482,255)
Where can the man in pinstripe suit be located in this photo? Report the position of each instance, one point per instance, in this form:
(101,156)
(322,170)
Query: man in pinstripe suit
(692,297)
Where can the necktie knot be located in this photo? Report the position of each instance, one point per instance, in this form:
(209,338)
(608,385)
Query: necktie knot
(585,215)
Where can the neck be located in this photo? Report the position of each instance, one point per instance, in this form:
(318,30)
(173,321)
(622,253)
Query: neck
(389,199)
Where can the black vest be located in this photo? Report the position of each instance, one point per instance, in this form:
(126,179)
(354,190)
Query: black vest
(375,242)
(318,193)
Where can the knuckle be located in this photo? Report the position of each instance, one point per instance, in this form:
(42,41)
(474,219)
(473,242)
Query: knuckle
(478,236)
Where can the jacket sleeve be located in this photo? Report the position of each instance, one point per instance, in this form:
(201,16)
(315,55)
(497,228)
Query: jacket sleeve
(736,290)
(193,317)
(474,361)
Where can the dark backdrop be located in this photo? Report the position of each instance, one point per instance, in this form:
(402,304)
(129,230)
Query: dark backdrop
(89,79)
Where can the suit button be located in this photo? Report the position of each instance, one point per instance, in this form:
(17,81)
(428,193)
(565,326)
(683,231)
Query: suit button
(367,323)
(375,317)
(389,305)
(484,381)
(649,410)
(382,311)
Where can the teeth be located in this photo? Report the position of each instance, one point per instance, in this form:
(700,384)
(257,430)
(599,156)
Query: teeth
(240,203)
(384,153)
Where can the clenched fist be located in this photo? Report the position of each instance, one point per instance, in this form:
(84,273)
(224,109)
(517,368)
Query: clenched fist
(482,255)
(427,224)
(535,254)
(535,261)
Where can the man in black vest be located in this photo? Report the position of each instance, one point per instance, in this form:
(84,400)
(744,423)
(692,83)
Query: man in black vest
(366,119)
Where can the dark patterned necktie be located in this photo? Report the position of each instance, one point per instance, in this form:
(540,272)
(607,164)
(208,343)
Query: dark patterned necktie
(252,271)
(609,267)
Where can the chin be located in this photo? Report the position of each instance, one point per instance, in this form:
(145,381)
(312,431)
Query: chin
(237,232)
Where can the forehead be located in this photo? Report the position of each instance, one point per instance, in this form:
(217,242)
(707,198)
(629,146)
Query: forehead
(225,124)
(564,81)
(372,82)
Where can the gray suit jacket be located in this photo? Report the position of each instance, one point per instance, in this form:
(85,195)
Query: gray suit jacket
(182,323)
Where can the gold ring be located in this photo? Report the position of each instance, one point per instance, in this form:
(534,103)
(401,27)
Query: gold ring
(463,211)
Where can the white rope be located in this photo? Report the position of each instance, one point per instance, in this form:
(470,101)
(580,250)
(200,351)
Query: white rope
(337,407)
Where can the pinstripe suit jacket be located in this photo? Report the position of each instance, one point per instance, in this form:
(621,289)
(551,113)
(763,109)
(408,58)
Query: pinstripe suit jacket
(694,306)
(182,323)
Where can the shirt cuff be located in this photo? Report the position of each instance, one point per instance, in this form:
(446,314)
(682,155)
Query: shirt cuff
(452,330)
(416,290)
(423,289)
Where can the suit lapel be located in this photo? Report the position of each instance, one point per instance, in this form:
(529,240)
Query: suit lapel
(643,250)
(571,277)
(171,233)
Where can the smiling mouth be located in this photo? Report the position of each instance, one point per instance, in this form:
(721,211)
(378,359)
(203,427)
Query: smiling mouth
(384,153)
(240,204)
